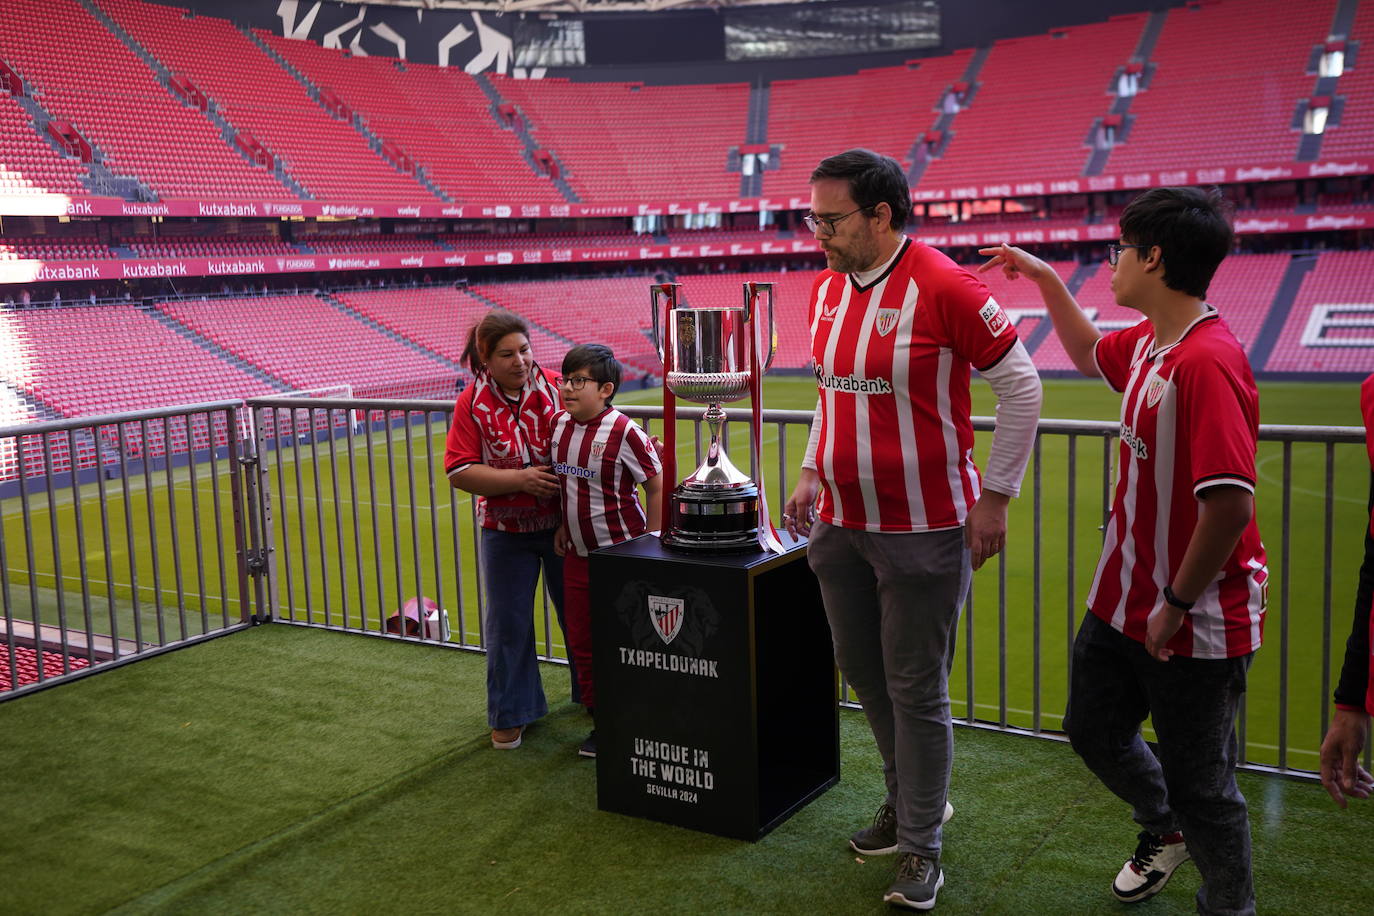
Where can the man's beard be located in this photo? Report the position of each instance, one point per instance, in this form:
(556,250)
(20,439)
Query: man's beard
(860,256)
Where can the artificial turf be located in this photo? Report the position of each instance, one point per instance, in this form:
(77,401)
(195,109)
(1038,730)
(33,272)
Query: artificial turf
(291,770)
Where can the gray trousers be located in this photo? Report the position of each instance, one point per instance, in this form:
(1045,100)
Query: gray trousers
(893,603)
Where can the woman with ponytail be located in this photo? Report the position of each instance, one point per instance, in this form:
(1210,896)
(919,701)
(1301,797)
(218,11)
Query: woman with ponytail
(498,450)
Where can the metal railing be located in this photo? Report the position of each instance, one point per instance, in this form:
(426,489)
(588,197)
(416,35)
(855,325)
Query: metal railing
(346,514)
(120,539)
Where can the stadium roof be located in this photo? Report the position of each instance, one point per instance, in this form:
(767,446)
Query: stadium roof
(573,6)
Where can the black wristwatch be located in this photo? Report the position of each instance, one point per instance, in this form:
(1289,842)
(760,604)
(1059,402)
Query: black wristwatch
(1176,601)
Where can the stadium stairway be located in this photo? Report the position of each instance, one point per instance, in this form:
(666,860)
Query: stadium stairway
(40,409)
(521,129)
(382,329)
(99,179)
(755,135)
(1298,269)
(920,156)
(205,343)
(1310,145)
(164,77)
(1121,105)
(374,141)
(39,118)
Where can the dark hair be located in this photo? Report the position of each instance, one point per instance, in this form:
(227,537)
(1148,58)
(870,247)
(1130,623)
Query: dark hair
(487,333)
(1192,228)
(873,179)
(599,361)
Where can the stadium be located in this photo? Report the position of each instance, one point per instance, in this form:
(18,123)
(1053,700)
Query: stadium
(241,246)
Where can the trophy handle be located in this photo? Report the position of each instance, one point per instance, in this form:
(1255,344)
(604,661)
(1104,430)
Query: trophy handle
(751,294)
(669,292)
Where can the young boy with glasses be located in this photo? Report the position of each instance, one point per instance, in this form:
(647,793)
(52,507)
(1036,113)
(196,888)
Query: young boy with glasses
(1177,605)
(600,456)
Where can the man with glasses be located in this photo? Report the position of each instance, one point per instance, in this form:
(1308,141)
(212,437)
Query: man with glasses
(898,513)
(1177,605)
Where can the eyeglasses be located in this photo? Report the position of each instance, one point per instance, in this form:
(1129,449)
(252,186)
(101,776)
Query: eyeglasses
(1114,252)
(575,382)
(826,224)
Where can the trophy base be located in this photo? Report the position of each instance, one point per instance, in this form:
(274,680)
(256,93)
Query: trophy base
(715,520)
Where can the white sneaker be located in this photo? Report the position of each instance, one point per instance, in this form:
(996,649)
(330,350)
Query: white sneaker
(1148,870)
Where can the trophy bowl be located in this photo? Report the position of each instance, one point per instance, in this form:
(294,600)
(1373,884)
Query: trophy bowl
(716,508)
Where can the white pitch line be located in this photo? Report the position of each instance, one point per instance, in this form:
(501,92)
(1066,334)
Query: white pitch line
(1259,469)
(67,577)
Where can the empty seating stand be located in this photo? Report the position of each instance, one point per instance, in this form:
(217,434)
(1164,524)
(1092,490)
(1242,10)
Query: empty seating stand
(628,141)
(327,156)
(28,164)
(1228,79)
(57,47)
(609,310)
(884,109)
(1036,102)
(308,343)
(53,248)
(1330,327)
(436,116)
(440,317)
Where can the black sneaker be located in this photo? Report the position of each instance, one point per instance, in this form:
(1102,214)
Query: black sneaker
(1146,872)
(881,838)
(588,748)
(918,880)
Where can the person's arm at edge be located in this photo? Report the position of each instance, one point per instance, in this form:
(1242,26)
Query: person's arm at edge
(1341,772)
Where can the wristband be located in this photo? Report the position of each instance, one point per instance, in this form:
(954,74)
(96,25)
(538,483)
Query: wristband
(1174,600)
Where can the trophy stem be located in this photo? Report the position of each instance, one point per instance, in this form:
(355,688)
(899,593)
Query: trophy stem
(715,419)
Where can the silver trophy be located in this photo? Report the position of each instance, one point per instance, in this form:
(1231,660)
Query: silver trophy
(708,361)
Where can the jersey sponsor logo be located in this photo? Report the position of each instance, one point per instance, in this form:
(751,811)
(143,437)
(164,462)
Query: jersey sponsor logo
(666,614)
(994,317)
(1155,391)
(853,384)
(1134,442)
(886,321)
(572,470)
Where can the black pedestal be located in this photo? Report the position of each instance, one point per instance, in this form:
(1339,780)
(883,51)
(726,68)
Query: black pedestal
(715,684)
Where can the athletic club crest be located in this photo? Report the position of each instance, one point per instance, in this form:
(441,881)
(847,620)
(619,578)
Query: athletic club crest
(666,615)
(1155,391)
(886,321)
(598,449)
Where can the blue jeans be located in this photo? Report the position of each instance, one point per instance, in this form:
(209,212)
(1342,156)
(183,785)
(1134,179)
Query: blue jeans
(510,568)
(1191,785)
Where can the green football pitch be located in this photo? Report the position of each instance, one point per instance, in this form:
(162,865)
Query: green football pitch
(361,523)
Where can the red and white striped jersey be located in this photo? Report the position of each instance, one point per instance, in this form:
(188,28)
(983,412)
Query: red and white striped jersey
(1189,421)
(488,428)
(892,359)
(599,464)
